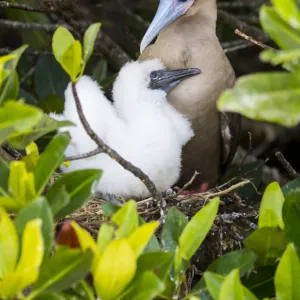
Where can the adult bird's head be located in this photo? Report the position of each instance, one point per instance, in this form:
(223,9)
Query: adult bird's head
(167,12)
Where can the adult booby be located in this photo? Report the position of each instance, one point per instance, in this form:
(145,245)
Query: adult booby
(187,38)
(140,125)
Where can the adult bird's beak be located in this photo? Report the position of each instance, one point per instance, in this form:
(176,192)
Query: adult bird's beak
(167,79)
(167,12)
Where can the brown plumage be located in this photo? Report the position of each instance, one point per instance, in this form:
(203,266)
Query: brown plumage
(191,42)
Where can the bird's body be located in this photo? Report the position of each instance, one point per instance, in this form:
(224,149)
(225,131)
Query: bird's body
(141,126)
(191,41)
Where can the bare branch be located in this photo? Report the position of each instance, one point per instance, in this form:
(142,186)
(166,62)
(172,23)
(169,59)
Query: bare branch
(6,4)
(85,155)
(287,166)
(252,40)
(113,154)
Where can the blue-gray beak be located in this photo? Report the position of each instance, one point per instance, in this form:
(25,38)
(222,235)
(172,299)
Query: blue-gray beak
(167,12)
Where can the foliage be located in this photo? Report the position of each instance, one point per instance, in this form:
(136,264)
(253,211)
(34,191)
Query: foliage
(272,97)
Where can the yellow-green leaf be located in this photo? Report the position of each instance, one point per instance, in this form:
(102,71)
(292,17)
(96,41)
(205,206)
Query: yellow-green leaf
(31,254)
(105,235)
(126,218)
(62,40)
(140,238)
(270,214)
(17,174)
(287,275)
(89,41)
(9,245)
(232,288)
(196,230)
(71,60)
(115,269)
(32,156)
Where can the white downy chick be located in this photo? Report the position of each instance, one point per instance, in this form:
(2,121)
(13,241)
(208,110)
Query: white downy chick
(141,126)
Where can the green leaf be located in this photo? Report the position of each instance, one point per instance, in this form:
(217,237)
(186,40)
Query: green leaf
(126,218)
(288,11)
(17,118)
(196,230)
(50,160)
(115,269)
(71,60)
(63,269)
(213,283)
(271,97)
(281,32)
(59,200)
(4,173)
(44,126)
(280,57)
(52,104)
(100,71)
(158,262)
(292,185)
(62,40)
(9,244)
(79,186)
(109,209)
(105,235)
(139,239)
(291,216)
(174,224)
(267,243)
(52,82)
(32,253)
(89,41)
(270,213)
(146,287)
(38,209)
(50,296)
(287,275)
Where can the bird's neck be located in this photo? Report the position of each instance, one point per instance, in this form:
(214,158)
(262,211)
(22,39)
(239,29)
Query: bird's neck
(205,9)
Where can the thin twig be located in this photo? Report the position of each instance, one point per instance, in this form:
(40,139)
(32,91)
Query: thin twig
(287,166)
(85,155)
(113,154)
(6,4)
(190,182)
(252,40)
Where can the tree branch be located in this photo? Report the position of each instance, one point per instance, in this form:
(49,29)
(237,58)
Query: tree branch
(287,166)
(113,154)
(85,155)
(6,4)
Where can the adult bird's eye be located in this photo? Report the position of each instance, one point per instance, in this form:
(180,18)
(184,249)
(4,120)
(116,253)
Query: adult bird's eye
(153,75)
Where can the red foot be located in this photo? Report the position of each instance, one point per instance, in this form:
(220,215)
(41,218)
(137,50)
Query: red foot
(203,188)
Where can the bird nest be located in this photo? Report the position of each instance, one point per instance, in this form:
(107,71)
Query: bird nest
(234,223)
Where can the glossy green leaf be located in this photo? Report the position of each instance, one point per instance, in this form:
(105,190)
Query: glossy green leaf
(9,245)
(271,97)
(89,41)
(61,41)
(287,275)
(4,173)
(126,218)
(50,160)
(291,216)
(158,262)
(270,213)
(79,186)
(284,35)
(17,118)
(100,71)
(213,282)
(63,269)
(38,209)
(146,287)
(267,243)
(52,82)
(115,269)
(59,200)
(196,230)
(71,60)
(44,126)
(105,235)
(139,239)
(280,57)
(174,224)
(292,185)
(52,104)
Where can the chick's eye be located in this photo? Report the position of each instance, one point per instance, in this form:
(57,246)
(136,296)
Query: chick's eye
(153,75)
